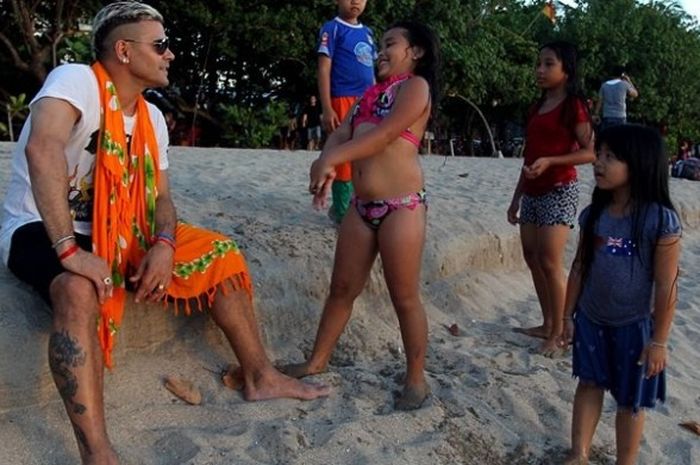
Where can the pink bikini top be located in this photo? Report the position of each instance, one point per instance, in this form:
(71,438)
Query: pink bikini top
(377,103)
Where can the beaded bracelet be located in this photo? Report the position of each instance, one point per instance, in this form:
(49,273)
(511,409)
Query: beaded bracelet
(70,251)
(657,344)
(62,240)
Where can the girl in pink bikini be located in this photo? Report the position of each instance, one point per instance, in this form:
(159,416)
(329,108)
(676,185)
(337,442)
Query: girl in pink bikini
(381,137)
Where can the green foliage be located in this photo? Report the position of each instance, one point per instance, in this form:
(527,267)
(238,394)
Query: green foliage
(659,47)
(16,106)
(31,35)
(76,49)
(252,126)
(237,59)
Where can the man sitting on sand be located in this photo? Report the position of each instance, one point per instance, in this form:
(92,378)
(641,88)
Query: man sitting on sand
(88,213)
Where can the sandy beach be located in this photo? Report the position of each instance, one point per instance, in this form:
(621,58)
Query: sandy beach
(494,401)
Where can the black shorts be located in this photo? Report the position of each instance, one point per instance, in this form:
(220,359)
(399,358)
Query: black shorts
(34,261)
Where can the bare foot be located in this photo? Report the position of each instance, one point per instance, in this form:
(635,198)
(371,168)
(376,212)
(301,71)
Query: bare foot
(575,459)
(299,370)
(412,397)
(550,348)
(107,458)
(232,377)
(541,331)
(274,385)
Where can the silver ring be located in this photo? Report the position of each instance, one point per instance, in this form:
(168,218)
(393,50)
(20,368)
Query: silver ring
(107,281)
(161,286)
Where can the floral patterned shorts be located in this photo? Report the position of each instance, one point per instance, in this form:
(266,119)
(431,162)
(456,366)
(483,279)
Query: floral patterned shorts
(373,212)
(555,207)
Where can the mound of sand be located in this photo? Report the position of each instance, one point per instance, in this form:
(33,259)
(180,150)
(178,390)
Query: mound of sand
(494,400)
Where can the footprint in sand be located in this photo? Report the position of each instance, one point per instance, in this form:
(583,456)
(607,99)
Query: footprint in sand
(324,433)
(682,451)
(475,377)
(564,365)
(279,444)
(454,406)
(507,362)
(175,448)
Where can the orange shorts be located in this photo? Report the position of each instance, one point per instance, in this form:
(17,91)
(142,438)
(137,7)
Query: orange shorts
(341,106)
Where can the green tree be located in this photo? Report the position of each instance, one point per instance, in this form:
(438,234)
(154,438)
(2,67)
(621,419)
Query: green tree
(32,32)
(238,59)
(15,107)
(253,127)
(659,47)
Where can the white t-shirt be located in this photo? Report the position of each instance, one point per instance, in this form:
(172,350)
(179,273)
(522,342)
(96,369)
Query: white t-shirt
(77,85)
(614,94)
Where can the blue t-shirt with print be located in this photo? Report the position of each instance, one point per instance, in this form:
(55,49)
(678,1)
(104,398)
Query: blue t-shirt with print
(352,51)
(618,288)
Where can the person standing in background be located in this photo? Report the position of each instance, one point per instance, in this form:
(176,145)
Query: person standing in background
(346,54)
(613,101)
(311,121)
(559,136)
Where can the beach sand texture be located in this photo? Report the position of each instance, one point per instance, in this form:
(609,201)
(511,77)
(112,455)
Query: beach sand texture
(495,401)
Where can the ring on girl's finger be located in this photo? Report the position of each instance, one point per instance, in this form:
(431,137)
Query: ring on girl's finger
(107,281)
(161,286)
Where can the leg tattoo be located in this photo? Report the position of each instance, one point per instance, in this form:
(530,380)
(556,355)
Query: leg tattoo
(82,439)
(66,353)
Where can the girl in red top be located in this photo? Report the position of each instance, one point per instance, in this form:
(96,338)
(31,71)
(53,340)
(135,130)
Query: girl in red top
(559,136)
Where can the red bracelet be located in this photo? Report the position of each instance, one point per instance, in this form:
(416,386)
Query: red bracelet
(166,241)
(68,252)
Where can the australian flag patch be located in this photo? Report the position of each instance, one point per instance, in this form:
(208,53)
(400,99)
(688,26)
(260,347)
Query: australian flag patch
(619,246)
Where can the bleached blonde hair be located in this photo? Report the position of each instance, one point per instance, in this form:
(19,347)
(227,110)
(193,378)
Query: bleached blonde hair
(116,14)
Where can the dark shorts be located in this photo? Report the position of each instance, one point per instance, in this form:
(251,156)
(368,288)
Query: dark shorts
(556,207)
(607,356)
(34,261)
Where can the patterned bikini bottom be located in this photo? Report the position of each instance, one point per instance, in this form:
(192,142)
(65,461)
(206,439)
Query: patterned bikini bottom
(373,212)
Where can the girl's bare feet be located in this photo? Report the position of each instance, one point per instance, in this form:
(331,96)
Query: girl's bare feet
(541,331)
(575,459)
(550,348)
(412,397)
(299,370)
(104,458)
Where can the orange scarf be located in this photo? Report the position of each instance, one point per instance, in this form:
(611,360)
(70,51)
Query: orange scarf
(125,186)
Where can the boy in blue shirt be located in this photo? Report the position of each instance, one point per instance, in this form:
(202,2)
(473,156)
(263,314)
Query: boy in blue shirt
(346,54)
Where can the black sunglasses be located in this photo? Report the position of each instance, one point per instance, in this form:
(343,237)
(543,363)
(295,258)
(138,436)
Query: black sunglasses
(160,45)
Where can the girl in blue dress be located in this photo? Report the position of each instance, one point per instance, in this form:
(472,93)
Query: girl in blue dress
(621,292)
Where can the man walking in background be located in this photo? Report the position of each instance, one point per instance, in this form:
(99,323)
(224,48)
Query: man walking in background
(613,100)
